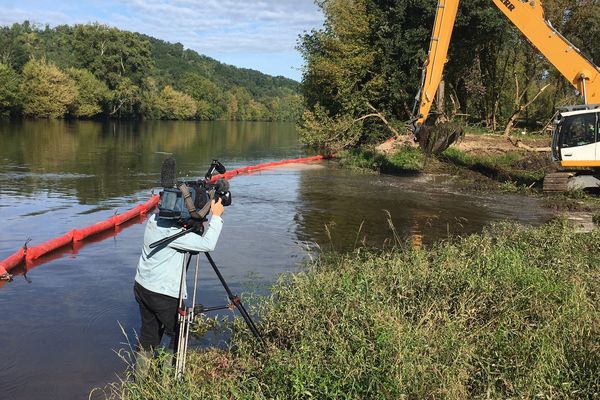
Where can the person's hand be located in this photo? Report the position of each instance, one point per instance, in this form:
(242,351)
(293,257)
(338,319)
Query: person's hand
(216,207)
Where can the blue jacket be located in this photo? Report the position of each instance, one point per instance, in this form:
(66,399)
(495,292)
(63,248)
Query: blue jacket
(159,269)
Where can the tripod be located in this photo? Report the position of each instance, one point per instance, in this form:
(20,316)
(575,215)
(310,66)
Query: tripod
(185,315)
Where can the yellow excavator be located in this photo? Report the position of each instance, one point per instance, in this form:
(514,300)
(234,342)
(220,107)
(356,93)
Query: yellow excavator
(576,135)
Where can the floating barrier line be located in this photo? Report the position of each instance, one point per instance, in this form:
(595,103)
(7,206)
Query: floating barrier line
(28,254)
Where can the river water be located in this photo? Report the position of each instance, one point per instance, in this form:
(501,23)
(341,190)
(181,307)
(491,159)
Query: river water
(63,322)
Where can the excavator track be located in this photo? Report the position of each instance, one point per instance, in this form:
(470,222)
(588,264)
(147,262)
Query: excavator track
(557,182)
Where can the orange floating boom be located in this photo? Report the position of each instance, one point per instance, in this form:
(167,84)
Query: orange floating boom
(28,254)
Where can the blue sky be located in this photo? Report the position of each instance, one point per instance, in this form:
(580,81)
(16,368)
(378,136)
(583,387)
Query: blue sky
(257,34)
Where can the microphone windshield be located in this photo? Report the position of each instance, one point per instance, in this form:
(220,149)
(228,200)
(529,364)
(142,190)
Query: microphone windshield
(167,173)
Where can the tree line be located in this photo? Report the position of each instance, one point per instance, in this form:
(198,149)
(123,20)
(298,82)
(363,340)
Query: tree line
(96,71)
(363,68)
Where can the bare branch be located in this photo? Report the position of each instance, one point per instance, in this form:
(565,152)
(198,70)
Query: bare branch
(519,110)
(518,143)
(385,121)
(365,117)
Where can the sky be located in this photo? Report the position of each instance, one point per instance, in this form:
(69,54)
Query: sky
(256,34)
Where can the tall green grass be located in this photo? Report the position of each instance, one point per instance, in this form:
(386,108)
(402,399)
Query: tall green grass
(513,312)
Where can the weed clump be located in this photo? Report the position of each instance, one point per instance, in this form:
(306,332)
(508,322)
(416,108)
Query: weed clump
(403,160)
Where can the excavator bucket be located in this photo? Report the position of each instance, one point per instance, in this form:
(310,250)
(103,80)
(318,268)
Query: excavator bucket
(436,139)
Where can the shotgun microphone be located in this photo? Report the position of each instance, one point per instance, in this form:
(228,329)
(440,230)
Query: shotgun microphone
(167,173)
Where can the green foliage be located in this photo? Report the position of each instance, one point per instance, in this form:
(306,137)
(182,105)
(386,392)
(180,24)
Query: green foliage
(318,129)
(16,44)
(207,94)
(9,88)
(509,313)
(111,54)
(338,82)
(47,91)
(150,102)
(361,159)
(406,159)
(240,105)
(286,108)
(126,99)
(92,94)
(371,51)
(512,187)
(136,68)
(176,105)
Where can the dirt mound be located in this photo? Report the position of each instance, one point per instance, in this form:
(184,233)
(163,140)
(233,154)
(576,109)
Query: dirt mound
(498,144)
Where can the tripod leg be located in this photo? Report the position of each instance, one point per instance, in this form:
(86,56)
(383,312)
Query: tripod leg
(248,320)
(181,320)
(189,317)
(236,301)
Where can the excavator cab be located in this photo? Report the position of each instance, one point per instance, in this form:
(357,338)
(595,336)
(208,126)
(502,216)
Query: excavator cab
(576,140)
(576,146)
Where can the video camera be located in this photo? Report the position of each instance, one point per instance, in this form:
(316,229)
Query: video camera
(188,201)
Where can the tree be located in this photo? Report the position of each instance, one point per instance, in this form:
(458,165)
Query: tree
(286,108)
(135,67)
(151,102)
(207,94)
(341,75)
(111,54)
(47,91)
(176,105)
(92,94)
(16,44)
(125,99)
(9,88)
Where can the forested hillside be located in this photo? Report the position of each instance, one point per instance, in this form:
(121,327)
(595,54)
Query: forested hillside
(367,59)
(95,71)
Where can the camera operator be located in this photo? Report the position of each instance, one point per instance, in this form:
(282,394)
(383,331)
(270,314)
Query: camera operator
(158,278)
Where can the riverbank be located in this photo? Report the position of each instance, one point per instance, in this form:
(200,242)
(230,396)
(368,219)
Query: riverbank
(490,156)
(480,162)
(510,312)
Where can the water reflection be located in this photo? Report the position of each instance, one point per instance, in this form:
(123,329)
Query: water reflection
(96,161)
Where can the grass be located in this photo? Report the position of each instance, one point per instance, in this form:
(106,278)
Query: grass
(574,200)
(513,312)
(507,167)
(405,160)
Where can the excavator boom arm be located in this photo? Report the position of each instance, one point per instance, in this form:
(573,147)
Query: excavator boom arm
(437,56)
(528,17)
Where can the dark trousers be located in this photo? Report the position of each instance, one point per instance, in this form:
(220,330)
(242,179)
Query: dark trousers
(159,316)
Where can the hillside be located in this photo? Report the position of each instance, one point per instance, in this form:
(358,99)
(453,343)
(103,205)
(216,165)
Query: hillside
(92,71)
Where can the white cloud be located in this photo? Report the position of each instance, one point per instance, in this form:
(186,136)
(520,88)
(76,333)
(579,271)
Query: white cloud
(9,16)
(228,25)
(211,27)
